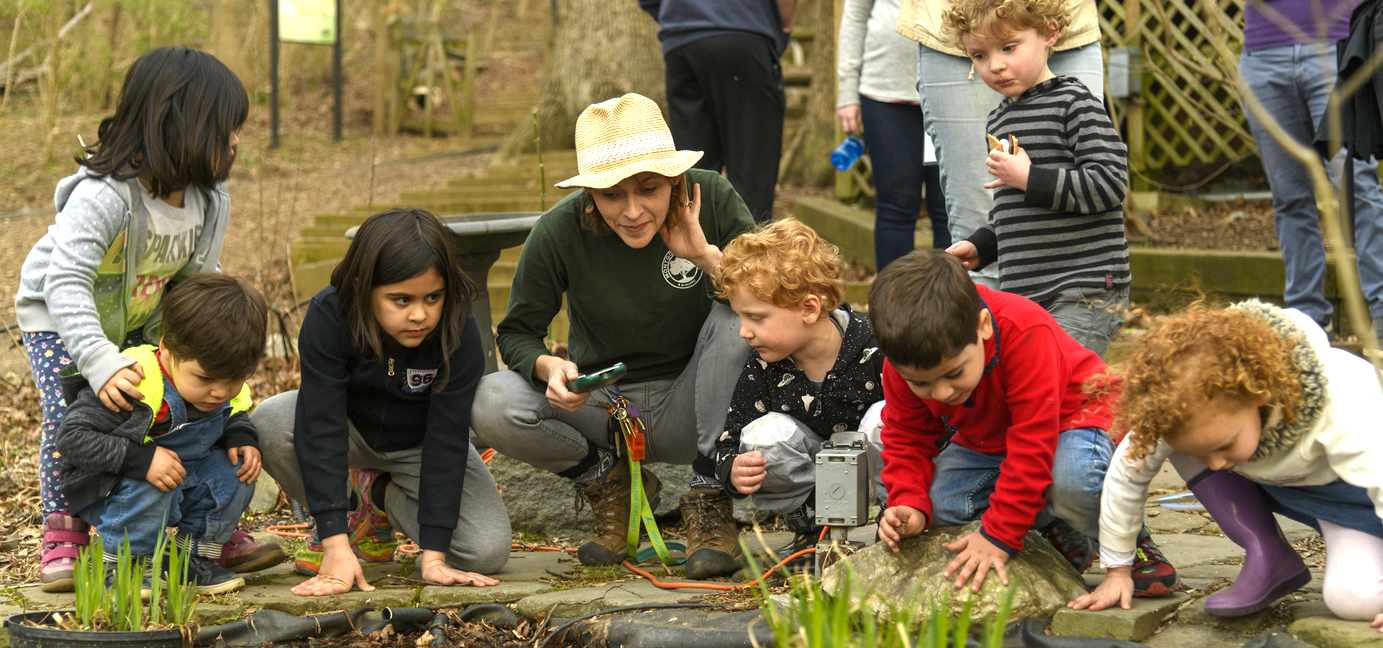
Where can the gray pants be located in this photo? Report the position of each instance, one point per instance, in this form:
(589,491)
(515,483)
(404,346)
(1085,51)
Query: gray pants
(790,473)
(1093,316)
(682,415)
(482,537)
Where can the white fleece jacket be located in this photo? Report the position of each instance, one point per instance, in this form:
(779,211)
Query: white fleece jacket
(1343,443)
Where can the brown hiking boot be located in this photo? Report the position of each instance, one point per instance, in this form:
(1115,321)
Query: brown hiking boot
(609,500)
(713,543)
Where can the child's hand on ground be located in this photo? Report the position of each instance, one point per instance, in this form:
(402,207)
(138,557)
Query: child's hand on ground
(1115,589)
(249,471)
(900,522)
(124,382)
(165,471)
(435,570)
(967,253)
(977,556)
(339,571)
(1377,622)
(1010,170)
(748,472)
(559,373)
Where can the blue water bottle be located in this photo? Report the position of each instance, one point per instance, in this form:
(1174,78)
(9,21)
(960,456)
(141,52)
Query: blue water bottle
(847,153)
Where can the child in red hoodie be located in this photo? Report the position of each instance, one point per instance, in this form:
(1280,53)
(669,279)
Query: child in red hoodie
(986,419)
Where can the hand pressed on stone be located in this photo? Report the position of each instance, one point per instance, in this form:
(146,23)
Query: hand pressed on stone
(900,522)
(748,472)
(977,556)
(1377,622)
(435,570)
(1115,589)
(339,571)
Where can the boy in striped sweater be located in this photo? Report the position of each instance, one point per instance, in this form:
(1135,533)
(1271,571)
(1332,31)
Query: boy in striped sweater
(1057,225)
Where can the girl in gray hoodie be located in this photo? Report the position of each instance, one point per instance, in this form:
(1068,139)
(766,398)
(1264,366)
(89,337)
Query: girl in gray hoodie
(147,207)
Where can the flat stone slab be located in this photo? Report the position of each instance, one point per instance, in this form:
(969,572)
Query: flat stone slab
(1134,624)
(572,603)
(1333,632)
(533,565)
(1195,614)
(1308,609)
(38,599)
(1187,550)
(278,597)
(1194,636)
(209,614)
(1169,521)
(441,596)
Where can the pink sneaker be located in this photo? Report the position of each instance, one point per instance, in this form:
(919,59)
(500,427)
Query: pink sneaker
(241,554)
(64,536)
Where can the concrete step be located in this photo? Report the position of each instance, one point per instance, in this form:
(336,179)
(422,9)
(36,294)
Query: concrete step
(851,229)
(448,207)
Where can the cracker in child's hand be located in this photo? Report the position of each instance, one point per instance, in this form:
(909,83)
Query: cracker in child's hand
(1009,145)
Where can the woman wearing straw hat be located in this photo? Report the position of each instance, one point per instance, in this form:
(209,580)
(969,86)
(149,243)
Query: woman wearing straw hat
(631,253)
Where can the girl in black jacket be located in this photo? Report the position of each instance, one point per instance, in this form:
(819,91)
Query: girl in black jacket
(391,358)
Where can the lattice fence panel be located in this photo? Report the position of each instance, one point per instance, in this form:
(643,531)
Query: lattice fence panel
(1189,105)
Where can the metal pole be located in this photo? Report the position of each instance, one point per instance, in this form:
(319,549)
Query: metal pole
(336,78)
(273,74)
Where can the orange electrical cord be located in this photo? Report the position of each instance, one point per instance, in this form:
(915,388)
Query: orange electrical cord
(718,586)
(283,530)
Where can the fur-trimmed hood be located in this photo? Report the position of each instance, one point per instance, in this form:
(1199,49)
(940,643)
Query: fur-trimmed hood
(1278,436)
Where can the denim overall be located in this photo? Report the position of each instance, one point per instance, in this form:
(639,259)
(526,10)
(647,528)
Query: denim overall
(206,506)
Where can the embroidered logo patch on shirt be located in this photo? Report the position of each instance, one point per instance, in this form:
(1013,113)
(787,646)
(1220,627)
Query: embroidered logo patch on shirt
(679,272)
(418,380)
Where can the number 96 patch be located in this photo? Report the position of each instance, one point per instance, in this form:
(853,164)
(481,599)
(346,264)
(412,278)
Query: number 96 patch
(417,381)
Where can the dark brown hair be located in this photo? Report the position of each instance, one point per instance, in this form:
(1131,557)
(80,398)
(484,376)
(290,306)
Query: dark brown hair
(217,320)
(593,221)
(394,246)
(177,111)
(924,309)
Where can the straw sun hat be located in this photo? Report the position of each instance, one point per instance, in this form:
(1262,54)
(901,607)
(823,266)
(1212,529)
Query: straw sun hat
(618,138)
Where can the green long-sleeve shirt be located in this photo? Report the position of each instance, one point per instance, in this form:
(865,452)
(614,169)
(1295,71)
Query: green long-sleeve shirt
(641,307)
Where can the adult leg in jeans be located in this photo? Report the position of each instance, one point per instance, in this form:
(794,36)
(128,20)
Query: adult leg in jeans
(894,135)
(936,206)
(1086,63)
(1287,81)
(955,109)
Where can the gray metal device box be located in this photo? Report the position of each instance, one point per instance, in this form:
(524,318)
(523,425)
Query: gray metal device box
(842,481)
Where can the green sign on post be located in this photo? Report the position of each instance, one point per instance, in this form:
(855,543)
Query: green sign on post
(307,21)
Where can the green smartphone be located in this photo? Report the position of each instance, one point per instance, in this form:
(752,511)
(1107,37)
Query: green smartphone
(587,382)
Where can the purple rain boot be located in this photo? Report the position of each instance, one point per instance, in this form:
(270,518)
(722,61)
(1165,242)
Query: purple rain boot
(1272,569)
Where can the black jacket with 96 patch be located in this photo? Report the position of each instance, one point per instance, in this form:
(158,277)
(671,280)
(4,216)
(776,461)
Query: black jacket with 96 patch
(393,405)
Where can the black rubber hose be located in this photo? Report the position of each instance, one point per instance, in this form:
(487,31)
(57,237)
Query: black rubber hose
(623,608)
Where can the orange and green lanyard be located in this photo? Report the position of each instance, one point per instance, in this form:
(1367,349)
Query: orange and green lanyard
(633,435)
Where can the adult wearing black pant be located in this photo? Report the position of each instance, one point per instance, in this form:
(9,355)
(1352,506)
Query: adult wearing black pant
(725,87)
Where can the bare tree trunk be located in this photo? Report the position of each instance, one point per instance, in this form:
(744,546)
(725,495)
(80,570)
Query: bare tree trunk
(112,28)
(600,49)
(10,65)
(808,158)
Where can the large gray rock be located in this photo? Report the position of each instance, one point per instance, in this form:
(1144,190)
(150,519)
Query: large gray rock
(541,503)
(1042,578)
(266,497)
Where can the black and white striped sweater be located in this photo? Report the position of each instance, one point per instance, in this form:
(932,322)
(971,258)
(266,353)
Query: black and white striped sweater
(1067,229)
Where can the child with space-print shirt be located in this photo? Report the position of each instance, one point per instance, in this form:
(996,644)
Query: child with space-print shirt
(815,370)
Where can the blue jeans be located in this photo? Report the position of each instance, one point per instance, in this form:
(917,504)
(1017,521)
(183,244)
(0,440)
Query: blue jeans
(207,506)
(895,137)
(1339,502)
(1294,82)
(1093,316)
(956,109)
(964,480)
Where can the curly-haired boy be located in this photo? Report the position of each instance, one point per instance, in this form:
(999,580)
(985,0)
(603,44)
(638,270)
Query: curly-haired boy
(1057,224)
(815,370)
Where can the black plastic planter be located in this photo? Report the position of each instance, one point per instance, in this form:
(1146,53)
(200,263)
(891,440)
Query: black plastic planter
(23,635)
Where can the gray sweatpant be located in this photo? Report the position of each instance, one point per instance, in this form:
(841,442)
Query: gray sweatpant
(790,473)
(482,537)
(680,413)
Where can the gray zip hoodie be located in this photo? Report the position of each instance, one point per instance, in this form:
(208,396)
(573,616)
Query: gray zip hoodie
(77,279)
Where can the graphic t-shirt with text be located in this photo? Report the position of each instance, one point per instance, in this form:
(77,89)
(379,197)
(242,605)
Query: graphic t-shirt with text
(171,239)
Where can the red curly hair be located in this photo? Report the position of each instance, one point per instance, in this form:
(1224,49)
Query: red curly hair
(781,263)
(1193,357)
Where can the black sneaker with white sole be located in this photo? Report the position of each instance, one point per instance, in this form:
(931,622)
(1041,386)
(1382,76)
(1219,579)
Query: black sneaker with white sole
(211,578)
